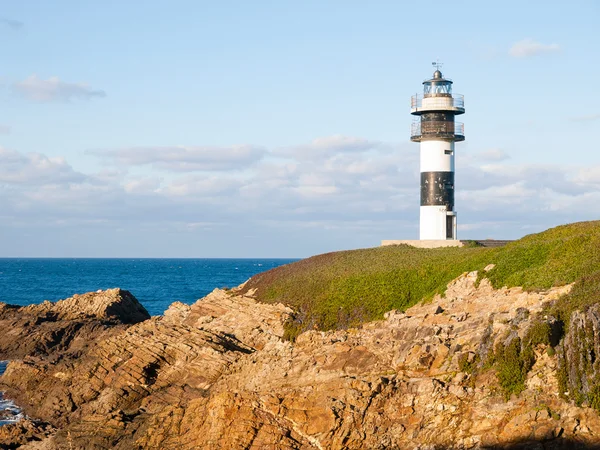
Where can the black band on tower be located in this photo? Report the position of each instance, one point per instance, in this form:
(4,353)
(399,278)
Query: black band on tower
(437,125)
(437,188)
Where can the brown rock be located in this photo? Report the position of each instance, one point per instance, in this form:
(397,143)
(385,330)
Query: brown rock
(17,435)
(51,327)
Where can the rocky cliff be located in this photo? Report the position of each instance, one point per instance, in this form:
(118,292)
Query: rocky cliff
(96,373)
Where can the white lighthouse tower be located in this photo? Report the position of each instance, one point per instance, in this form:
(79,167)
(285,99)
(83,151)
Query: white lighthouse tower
(437,132)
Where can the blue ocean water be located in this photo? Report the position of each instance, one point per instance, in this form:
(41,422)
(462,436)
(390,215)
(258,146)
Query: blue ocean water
(9,412)
(156,283)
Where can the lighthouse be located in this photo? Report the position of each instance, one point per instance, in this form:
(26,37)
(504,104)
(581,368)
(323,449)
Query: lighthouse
(435,129)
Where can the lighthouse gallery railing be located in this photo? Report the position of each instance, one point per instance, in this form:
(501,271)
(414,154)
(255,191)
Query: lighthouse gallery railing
(417,128)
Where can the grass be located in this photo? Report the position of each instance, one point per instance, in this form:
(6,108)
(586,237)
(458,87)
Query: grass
(585,293)
(342,289)
(555,257)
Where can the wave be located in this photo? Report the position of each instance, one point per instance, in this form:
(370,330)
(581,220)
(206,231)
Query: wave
(9,411)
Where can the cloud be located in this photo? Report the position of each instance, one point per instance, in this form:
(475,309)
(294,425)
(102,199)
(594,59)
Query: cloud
(53,89)
(209,188)
(350,195)
(5,129)
(185,158)
(325,147)
(529,47)
(35,169)
(589,176)
(142,185)
(10,23)
(529,177)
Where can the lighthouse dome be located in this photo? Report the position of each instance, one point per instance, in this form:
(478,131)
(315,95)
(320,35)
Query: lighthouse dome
(437,74)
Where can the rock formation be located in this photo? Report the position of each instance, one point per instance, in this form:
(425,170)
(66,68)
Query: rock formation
(219,375)
(49,328)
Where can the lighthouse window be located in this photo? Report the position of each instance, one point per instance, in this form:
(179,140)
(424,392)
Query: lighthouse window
(437,88)
(448,152)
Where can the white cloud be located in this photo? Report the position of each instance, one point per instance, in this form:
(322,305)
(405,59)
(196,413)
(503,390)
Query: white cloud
(315,191)
(566,204)
(142,185)
(185,158)
(53,89)
(498,195)
(529,47)
(35,169)
(206,188)
(328,146)
(587,176)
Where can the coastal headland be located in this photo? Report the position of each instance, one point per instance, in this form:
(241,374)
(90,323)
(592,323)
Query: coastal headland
(385,348)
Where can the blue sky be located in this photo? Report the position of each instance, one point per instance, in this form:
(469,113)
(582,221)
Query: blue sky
(218,129)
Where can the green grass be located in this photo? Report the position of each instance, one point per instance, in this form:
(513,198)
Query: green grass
(555,257)
(585,293)
(342,289)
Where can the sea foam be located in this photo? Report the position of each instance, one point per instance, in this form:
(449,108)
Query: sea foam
(9,412)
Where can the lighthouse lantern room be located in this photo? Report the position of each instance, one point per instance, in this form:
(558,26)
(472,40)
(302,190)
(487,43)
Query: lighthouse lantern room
(436,131)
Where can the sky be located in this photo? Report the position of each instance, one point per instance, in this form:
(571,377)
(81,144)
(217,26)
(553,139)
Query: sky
(282,128)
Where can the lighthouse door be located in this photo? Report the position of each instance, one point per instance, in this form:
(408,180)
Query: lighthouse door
(449,227)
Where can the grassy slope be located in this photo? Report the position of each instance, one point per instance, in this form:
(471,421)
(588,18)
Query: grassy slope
(342,289)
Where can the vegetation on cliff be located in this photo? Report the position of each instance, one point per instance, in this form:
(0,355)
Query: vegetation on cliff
(513,360)
(342,289)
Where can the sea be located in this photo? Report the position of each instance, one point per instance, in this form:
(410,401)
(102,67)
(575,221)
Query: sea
(156,283)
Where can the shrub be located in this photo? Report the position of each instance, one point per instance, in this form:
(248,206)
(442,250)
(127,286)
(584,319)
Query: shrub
(512,362)
(466,365)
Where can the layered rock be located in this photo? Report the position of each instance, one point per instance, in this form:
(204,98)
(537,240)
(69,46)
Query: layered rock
(49,328)
(218,374)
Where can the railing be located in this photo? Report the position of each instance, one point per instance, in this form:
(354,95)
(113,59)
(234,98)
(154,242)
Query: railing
(459,128)
(454,101)
(419,129)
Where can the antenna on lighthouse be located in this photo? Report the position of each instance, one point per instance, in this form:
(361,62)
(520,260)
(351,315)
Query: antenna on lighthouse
(437,64)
